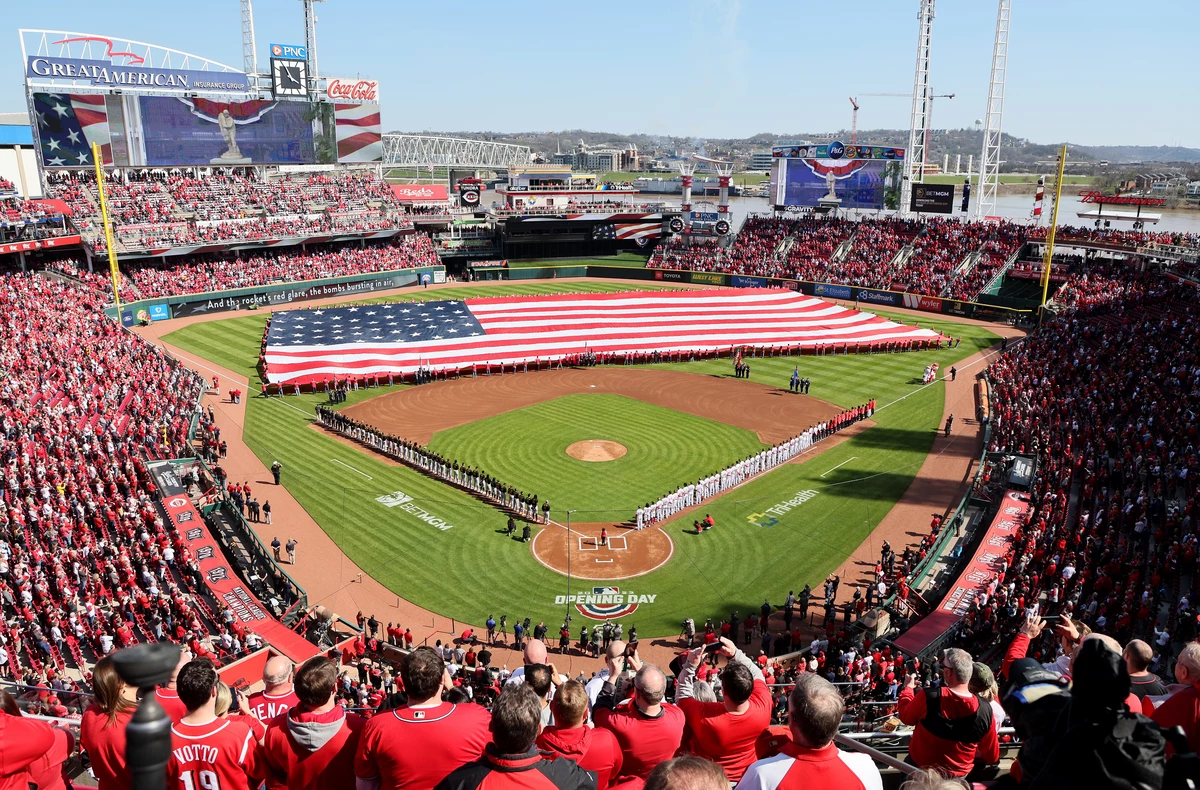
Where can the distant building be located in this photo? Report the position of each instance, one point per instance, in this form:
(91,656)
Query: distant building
(599,159)
(18,162)
(760,160)
(1193,189)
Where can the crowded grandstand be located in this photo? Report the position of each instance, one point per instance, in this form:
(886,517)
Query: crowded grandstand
(1025,619)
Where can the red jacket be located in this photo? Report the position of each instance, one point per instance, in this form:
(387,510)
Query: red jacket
(591,749)
(931,751)
(22,742)
(305,750)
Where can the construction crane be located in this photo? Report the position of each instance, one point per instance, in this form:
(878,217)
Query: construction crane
(853,120)
(928,115)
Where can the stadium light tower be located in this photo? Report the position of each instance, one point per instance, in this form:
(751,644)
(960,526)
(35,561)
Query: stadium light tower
(917,152)
(310,41)
(249,56)
(989,161)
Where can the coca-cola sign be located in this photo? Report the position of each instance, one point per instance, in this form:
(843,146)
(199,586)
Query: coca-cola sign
(353,90)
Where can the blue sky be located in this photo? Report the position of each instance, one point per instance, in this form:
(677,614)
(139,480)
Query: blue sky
(703,68)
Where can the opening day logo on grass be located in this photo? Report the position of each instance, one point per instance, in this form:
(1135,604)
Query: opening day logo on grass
(605,603)
(768,518)
(405,502)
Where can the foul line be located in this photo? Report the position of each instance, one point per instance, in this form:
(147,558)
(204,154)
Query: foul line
(843,463)
(946,376)
(351,468)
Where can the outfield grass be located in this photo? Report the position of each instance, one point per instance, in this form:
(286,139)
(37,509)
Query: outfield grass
(733,567)
(665,447)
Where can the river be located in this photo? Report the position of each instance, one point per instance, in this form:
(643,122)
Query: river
(1013,207)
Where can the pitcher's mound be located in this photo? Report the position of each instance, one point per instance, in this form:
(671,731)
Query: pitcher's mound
(596,450)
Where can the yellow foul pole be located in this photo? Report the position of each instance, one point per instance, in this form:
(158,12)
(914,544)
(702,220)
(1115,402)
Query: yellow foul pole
(114,272)
(1048,256)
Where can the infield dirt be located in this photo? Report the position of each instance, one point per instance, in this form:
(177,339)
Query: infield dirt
(417,413)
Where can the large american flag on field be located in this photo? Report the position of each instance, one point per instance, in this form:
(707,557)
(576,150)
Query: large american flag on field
(305,346)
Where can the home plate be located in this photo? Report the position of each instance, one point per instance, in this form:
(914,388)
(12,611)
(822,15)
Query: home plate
(603,560)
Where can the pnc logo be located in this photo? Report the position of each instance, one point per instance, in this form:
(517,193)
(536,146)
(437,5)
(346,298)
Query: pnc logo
(289,51)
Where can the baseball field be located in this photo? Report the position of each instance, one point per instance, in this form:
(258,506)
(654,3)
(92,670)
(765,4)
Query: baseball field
(599,442)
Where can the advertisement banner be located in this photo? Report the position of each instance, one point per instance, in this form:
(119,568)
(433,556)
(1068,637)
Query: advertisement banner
(837,150)
(833,291)
(416,193)
(293,51)
(195,131)
(221,580)
(242,301)
(104,74)
(741,281)
(930,304)
(932,198)
(159,312)
(669,275)
(352,91)
(39,244)
(879,297)
(708,278)
(975,577)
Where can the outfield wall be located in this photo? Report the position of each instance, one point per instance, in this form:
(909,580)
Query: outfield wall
(871,296)
(165,308)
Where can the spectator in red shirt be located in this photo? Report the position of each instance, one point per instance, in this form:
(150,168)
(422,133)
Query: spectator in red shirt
(648,729)
(208,751)
(311,745)
(102,730)
(811,759)
(725,732)
(1182,709)
(46,772)
(417,745)
(277,694)
(592,749)
(22,742)
(953,726)
(168,697)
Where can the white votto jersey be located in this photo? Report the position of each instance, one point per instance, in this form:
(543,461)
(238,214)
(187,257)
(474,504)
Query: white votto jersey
(804,769)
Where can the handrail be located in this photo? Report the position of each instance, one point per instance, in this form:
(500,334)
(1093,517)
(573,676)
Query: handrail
(875,754)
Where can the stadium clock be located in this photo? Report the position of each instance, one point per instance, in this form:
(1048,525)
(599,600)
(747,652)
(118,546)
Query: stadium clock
(289,78)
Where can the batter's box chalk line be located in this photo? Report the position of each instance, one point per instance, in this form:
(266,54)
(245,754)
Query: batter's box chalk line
(588,543)
(612,543)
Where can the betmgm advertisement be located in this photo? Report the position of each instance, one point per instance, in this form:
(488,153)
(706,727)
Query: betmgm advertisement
(844,176)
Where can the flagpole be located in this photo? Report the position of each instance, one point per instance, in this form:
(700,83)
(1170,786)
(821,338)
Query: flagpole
(113,271)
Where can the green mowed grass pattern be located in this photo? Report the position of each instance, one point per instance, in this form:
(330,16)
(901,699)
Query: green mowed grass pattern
(471,571)
(527,448)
